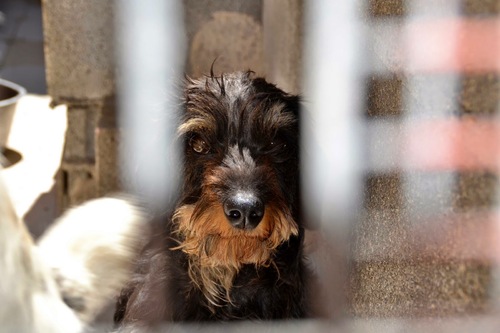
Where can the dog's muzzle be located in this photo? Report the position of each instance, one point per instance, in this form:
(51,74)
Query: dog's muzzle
(244,210)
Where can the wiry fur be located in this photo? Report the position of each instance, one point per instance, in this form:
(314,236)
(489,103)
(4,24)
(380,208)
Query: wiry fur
(217,254)
(240,135)
(78,266)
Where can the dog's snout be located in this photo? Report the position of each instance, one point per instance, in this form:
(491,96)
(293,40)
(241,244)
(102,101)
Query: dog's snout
(244,210)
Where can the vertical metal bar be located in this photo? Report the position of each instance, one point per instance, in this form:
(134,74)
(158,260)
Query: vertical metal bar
(332,132)
(151,53)
(333,93)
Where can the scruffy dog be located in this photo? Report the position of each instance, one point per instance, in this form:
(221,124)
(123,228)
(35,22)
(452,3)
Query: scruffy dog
(232,249)
(62,282)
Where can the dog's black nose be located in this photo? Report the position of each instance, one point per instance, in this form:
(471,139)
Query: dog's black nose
(244,210)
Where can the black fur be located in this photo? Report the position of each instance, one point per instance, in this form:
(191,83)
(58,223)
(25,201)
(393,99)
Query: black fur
(256,118)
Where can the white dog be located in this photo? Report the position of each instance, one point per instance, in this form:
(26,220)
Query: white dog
(79,264)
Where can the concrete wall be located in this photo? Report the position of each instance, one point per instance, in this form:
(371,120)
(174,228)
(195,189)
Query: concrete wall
(227,32)
(80,66)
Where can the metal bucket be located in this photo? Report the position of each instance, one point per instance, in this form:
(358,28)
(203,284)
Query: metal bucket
(10,93)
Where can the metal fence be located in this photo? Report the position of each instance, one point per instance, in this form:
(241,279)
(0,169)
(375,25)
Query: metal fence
(401,136)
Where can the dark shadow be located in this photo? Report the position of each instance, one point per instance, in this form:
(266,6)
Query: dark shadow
(43,212)
(10,157)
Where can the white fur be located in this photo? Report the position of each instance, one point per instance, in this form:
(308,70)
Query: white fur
(90,249)
(86,255)
(30,301)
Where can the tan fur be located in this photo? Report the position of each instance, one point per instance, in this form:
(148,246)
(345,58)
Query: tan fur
(194,124)
(217,250)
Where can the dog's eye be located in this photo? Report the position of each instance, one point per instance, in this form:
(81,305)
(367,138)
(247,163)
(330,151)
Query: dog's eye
(199,145)
(277,145)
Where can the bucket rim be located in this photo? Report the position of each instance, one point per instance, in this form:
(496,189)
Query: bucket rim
(21,91)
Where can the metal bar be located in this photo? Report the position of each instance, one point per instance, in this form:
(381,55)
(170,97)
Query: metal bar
(331,146)
(332,130)
(151,53)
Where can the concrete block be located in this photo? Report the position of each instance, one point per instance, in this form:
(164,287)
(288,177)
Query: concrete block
(383,191)
(385,96)
(108,180)
(79,49)
(229,31)
(480,94)
(77,183)
(80,143)
(476,190)
(437,266)
(283,36)
(413,258)
(420,288)
(107,140)
(384,8)
(423,95)
(481,7)
(380,235)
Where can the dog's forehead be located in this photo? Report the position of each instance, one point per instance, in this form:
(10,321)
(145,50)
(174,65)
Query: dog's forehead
(228,88)
(237,86)
(234,102)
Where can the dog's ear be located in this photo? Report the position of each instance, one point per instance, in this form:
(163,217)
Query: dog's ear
(91,251)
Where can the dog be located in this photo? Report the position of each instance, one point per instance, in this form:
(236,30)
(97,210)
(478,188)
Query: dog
(232,249)
(62,282)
